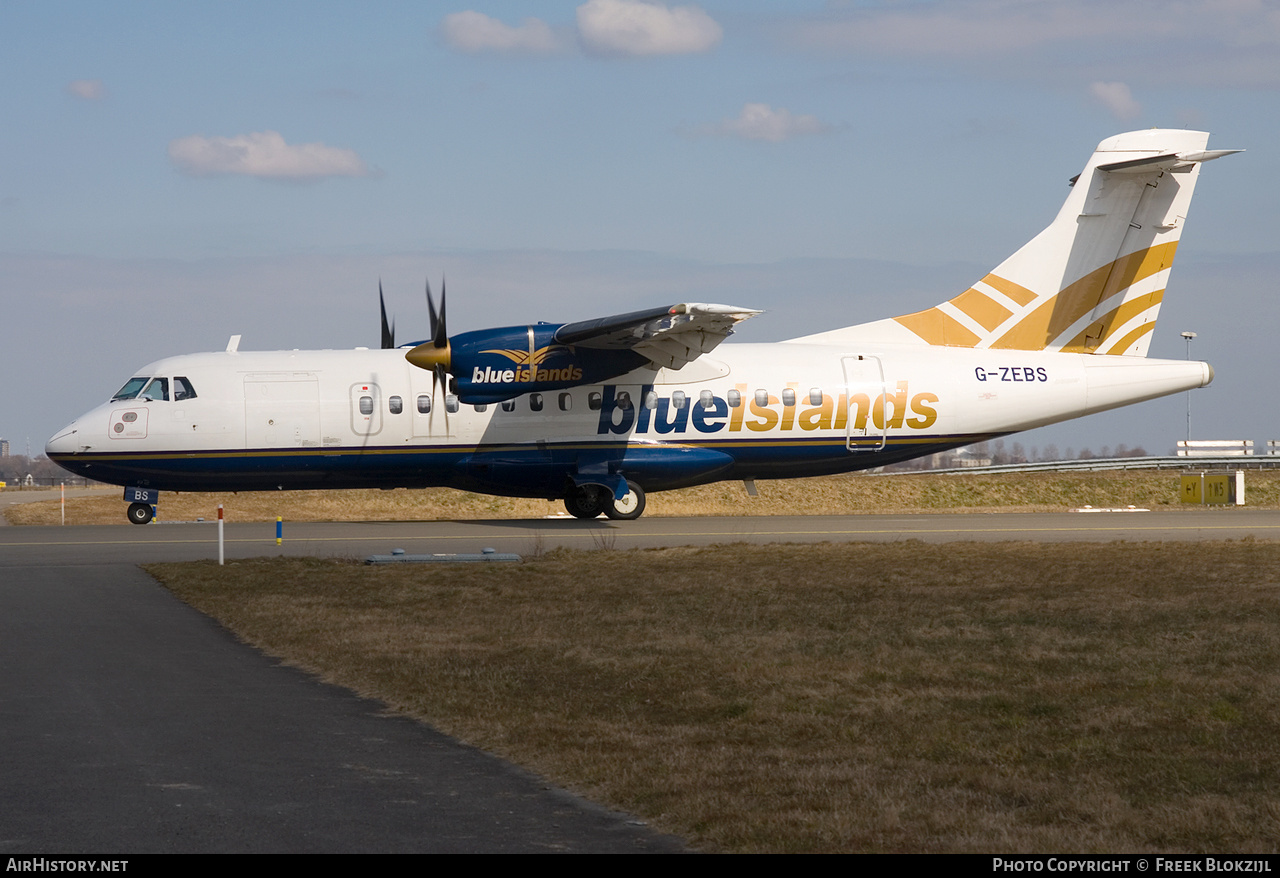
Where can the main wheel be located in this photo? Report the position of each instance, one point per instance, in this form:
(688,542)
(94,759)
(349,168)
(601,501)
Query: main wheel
(587,502)
(630,507)
(140,513)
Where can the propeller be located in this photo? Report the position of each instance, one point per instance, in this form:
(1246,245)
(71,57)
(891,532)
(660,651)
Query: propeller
(435,355)
(388,331)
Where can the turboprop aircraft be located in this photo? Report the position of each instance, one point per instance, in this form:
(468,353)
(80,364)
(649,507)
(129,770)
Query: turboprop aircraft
(600,412)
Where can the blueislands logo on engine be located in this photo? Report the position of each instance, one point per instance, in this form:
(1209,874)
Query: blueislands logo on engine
(528,367)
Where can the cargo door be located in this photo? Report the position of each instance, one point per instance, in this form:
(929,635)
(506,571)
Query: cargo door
(281,410)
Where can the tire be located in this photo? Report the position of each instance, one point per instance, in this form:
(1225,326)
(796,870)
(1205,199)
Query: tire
(140,513)
(587,503)
(630,507)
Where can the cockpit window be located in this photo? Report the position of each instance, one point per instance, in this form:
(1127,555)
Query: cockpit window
(182,389)
(130,389)
(158,389)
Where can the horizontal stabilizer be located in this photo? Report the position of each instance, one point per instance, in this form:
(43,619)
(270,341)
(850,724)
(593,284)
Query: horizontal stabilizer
(1168,162)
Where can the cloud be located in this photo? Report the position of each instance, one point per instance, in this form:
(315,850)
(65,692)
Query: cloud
(1212,41)
(87,89)
(476,32)
(263,154)
(1117,98)
(631,27)
(763,122)
(962,28)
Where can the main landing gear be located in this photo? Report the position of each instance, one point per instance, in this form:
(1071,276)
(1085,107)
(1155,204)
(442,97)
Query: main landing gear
(590,500)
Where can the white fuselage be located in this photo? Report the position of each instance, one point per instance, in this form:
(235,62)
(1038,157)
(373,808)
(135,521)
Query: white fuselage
(367,418)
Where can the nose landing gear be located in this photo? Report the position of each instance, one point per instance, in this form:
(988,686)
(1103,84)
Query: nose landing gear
(141,513)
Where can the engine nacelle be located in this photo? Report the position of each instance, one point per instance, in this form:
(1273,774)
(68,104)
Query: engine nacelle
(494,365)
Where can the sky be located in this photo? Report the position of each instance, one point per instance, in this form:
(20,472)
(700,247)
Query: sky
(173,174)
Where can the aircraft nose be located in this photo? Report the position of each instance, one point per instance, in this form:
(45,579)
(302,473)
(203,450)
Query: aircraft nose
(65,441)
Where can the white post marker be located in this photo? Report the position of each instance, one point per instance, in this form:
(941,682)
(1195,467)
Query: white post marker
(63,488)
(221,555)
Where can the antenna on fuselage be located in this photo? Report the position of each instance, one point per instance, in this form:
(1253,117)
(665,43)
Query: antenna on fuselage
(234,344)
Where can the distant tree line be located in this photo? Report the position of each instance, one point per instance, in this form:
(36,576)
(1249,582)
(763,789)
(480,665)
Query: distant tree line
(996,453)
(15,469)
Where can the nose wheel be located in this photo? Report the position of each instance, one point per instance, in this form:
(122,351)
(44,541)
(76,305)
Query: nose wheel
(141,513)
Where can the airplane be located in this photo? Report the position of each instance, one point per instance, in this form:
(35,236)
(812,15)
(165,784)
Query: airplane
(601,412)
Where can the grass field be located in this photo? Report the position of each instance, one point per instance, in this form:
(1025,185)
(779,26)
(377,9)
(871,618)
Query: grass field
(867,697)
(832,495)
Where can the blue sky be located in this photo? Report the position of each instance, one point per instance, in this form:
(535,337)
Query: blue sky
(176,173)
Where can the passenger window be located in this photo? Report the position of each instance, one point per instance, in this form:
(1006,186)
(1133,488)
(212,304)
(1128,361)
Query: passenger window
(789,396)
(158,389)
(450,403)
(395,404)
(815,396)
(366,405)
(735,399)
(535,402)
(424,404)
(677,399)
(651,400)
(182,389)
(509,405)
(624,400)
(594,400)
(707,399)
(482,406)
(762,397)
(566,402)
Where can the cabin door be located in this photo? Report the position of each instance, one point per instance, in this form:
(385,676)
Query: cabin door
(865,422)
(366,409)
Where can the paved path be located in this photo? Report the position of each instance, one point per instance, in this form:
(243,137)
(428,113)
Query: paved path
(133,724)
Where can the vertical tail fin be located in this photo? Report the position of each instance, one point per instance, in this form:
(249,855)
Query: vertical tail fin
(1092,282)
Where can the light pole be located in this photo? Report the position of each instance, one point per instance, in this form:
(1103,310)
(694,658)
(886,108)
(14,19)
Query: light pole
(1188,336)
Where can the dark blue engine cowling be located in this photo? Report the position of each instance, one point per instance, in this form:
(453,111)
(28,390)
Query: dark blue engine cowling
(494,365)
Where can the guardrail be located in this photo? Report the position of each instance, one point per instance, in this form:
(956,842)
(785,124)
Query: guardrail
(1098,464)
(41,482)
(1215,448)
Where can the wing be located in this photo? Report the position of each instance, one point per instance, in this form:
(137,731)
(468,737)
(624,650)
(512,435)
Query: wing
(668,337)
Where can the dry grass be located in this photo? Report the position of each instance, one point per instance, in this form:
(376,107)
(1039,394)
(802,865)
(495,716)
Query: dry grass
(832,495)
(866,697)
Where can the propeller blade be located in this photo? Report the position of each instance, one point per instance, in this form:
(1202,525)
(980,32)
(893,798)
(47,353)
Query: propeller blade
(441,377)
(388,332)
(439,387)
(431,310)
(440,335)
(435,353)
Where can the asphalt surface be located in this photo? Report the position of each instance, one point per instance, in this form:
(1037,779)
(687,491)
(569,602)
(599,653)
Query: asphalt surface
(174,541)
(133,724)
